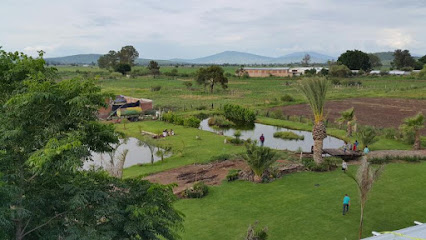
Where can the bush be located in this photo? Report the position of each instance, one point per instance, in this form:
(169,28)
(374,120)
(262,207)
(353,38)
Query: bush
(198,190)
(192,122)
(339,71)
(220,121)
(288,136)
(187,84)
(178,120)
(287,98)
(232,175)
(222,157)
(201,108)
(201,115)
(328,164)
(335,81)
(239,114)
(155,88)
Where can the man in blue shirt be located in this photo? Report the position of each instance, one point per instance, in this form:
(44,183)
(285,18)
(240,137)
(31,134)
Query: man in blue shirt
(366,150)
(346,203)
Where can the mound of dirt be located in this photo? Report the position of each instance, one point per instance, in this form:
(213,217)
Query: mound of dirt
(378,112)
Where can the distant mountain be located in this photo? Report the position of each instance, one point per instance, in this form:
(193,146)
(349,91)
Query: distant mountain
(234,57)
(74,59)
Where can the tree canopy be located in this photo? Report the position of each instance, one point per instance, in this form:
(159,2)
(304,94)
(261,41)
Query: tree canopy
(211,76)
(374,60)
(49,129)
(403,59)
(355,60)
(127,55)
(154,68)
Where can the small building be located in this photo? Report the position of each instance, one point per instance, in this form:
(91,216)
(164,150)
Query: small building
(124,102)
(267,72)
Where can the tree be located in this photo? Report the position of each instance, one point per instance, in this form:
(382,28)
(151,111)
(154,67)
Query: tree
(347,116)
(150,143)
(154,68)
(49,128)
(128,55)
(339,71)
(211,76)
(163,151)
(259,159)
(367,135)
(374,61)
(306,59)
(414,125)
(403,59)
(116,160)
(108,60)
(364,180)
(355,60)
(123,68)
(240,71)
(422,60)
(315,90)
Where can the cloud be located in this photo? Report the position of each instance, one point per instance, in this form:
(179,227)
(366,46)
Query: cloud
(394,38)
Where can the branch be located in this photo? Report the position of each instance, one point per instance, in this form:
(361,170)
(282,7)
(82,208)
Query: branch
(44,224)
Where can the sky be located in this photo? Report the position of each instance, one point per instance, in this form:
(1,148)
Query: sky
(166,29)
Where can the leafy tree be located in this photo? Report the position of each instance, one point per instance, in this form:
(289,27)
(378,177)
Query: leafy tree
(422,72)
(240,71)
(48,129)
(211,76)
(128,55)
(154,68)
(374,60)
(414,125)
(364,180)
(259,159)
(109,60)
(422,60)
(339,71)
(355,60)
(306,59)
(163,151)
(367,135)
(123,68)
(347,116)
(315,91)
(311,72)
(324,72)
(402,59)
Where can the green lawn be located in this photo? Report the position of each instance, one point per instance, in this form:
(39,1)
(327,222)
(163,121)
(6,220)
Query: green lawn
(294,208)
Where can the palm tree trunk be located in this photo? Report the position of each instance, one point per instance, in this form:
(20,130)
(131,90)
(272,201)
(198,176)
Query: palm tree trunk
(318,144)
(417,142)
(361,221)
(349,131)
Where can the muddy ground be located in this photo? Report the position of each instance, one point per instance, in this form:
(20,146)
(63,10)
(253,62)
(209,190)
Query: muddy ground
(378,112)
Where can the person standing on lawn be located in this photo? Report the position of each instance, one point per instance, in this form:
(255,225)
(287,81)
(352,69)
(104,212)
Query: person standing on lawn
(262,140)
(346,204)
(344,166)
(356,145)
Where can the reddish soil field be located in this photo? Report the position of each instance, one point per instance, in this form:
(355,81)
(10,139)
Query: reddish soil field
(378,112)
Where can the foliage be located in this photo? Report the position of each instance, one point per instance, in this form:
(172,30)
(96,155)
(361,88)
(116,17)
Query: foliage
(219,121)
(48,129)
(323,72)
(347,116)
(187,84)
(367,135)
(341,71)
(163,151)
(128,55)
(422,59)
(422,73)
(315,90)
(198,190)
(155,88)
(239,114)
(123,68)
(150,143)
(108,60)
(232,175)
(288,136)
(374,60)
(258,158)
(179,120)
(306,59)
(223,157)
(154,68)
(402,58)
(329,164)
(311,72)
(366,176)
(211,76)
(191,122)
(414,125)
(355,60)
(287,98)
(253,233)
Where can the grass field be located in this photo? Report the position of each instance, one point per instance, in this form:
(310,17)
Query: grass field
(294,208)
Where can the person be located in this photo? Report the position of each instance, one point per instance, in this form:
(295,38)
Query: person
(262,139)
(312,149)
(346,204)
(366,150)
(344,166)
(165,133)
(356,145)
(344,147)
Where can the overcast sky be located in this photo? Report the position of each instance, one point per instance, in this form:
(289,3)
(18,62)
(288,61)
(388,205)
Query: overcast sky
(164,29)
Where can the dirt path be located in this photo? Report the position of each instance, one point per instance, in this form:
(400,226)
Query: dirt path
(397,154)
(211,174)
(378,112)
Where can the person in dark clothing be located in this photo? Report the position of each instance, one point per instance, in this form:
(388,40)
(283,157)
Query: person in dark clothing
(262,139)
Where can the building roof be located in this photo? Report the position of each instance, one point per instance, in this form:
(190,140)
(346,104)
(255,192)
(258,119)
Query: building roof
(277,68)
(417,232)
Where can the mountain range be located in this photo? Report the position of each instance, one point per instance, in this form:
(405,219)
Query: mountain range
(231,57)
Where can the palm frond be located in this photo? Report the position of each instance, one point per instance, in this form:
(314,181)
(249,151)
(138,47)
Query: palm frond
(315,91)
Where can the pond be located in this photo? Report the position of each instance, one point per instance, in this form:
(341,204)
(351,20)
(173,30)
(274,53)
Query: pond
(276,143)
(136,155)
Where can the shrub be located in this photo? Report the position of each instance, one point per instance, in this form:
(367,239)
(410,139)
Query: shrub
(390,133)
(288,136)
(287,98)
(192,122)
(328,164)
(155,88)
(187,84)
(201,115)
(222,157)
(232,175)
(367,135)
(201,107)
(239,114)
(198,190)
(220,121)
(335,81)
(339,71)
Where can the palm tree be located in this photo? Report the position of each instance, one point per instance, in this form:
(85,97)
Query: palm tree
(364,180)
(367,136)
(259,159)
(347,116)
(150,144)
(315,91)
(414,124)
(161,152)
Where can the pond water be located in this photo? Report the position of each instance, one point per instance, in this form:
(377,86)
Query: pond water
(136,155)
(276,143)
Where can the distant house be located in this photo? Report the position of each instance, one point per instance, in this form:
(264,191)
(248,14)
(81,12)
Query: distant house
(398,72)
(375,72)
(123,102)
(266,72)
